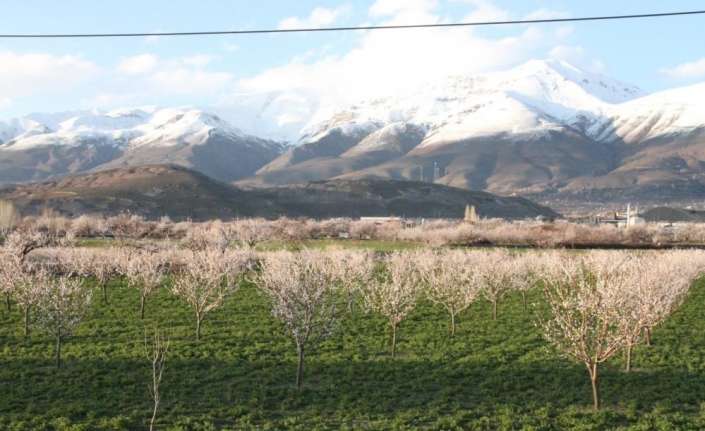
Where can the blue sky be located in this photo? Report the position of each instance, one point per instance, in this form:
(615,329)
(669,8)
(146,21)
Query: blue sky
(299,73)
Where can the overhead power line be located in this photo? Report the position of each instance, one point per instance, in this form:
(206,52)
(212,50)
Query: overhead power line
(361,28)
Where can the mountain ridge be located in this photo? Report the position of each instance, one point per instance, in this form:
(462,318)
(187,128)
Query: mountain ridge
(181,193)
(544,128)
(78,142)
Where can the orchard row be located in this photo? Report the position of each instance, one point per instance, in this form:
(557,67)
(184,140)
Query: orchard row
(595,304)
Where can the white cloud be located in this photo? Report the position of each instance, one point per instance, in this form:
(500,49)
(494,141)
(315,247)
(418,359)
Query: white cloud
(189,81)
(231,47)
(545,14)
(578,56)
(405,11)
(485,10)
(564,31)
(138,64)
(694,69)
(198,60)
(107,99)
(154,76)
(25,74)
(389,61)
(5,102)
(148,79)
(319,17)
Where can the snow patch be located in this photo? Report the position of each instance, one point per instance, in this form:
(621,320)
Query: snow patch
(147,126)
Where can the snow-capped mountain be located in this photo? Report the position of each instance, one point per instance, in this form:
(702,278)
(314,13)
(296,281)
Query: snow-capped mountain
(121,128)
(672,112)
(532,98)
(544,126)
(41,146)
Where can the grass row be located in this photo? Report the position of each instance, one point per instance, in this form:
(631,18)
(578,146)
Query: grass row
(490,376)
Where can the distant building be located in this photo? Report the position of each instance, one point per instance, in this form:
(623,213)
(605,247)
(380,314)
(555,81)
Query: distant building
(471,214)
(623,219)
(381,220)
(407,223)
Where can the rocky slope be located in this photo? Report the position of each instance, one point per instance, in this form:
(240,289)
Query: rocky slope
(180,193)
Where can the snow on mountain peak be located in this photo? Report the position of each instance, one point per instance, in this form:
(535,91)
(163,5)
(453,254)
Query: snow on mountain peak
(535,97)
(669,112)
(559,76)
(96,121)
(532,98)
(129,126)
(17,127)
(175,126)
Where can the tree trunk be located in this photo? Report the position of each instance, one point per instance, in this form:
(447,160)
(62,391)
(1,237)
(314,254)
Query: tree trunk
(452,324)
(154,412)
(647,335)
(58,351)
(300,368)
(628,358)
(7,302)
(198,327)
(26,321)
(394,339)
(142,301)
(594,380)
(494,310)
(523,299)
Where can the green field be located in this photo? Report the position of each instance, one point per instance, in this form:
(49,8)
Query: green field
(492,375)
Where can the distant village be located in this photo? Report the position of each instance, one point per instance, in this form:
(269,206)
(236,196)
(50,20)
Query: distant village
(628,217)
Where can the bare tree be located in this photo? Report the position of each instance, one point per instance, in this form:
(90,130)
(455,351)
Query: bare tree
(26,281)
(214,234)
(70,261)
(351,270)
(9,217)
(62,305)
(527,271)
(250,232)
(393,293)
(300,288)
(659,286)
(206,279)
(144,271)
(497,274)
(156,351)
(587,309)
(101,264)
(21,243)
(17,278)
(451,281)
(7,277)
(103,268)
